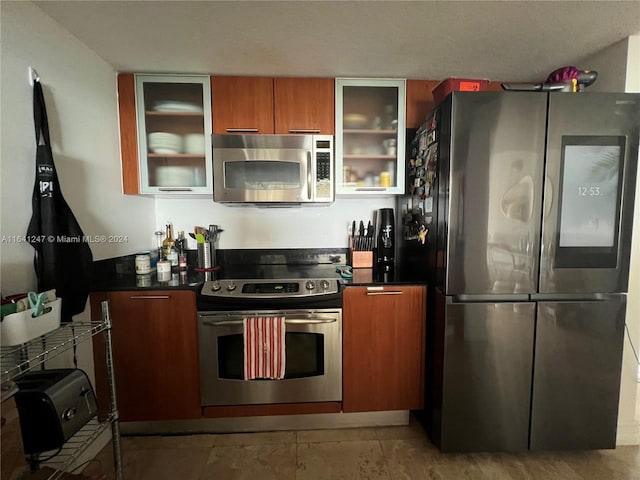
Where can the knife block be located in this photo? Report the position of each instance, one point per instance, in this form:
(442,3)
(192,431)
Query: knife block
(361,259)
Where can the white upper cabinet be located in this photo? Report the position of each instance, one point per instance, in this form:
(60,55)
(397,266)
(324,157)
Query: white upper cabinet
(174,133)
(370,136)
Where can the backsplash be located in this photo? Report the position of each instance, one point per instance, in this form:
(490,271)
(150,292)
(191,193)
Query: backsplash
(253,227)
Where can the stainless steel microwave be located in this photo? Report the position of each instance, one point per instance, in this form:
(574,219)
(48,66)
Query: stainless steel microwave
(273,169)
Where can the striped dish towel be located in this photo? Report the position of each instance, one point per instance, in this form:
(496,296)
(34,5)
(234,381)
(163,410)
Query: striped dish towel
(264,347)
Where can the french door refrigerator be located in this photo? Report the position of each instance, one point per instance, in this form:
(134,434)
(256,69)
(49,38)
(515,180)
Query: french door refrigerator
(529,205)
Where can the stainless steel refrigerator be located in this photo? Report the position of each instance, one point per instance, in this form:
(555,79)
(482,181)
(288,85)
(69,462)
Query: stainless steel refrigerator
(527,199)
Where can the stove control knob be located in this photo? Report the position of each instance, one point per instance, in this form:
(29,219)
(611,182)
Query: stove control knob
(324,284)
(310,285)
(231,286)
(215,286)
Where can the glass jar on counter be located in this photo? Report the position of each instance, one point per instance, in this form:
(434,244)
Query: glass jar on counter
(143,263)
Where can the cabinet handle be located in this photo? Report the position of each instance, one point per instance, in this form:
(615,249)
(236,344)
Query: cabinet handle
(150,297)
(371,189)
(303,130)
(385,293)
(234,130)
(175,189)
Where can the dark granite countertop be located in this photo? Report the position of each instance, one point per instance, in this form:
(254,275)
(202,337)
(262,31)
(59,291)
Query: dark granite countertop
(369,277)
(115,274)
(118,274)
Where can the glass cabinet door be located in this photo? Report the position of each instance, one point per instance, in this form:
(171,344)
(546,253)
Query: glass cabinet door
(174,133)
(370,136)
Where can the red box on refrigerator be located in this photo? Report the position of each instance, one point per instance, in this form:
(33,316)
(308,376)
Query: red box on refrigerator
(449,85)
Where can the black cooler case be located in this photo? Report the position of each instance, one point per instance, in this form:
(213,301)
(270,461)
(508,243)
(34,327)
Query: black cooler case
(53,405)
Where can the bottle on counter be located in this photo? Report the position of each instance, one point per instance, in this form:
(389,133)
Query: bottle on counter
(168,242)
(181,246)
(172,256)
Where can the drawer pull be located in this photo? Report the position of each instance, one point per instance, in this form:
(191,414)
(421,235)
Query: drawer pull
(303,130)
(150,297)
(234,130)
(385,293)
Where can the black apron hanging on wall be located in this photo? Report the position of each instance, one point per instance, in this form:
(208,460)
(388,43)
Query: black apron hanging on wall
(63,259)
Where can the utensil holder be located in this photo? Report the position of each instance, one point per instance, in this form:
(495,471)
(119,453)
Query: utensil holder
(205,255)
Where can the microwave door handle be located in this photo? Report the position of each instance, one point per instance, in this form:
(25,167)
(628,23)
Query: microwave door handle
(309,174)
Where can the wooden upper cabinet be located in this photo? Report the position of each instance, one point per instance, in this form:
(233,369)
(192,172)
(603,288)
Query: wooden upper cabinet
(157,113)
(242,104)
(128,133)
(304,105)
(420,99)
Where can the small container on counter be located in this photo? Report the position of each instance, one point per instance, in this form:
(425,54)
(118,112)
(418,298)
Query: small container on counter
(164,271)
(143,263)
(182,260)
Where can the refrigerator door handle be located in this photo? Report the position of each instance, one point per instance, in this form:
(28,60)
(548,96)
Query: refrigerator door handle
(513,298)
(572,297)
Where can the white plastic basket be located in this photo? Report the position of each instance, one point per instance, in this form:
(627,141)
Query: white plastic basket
(20,327)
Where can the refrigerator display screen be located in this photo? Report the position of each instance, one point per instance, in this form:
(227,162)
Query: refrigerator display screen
(589,206)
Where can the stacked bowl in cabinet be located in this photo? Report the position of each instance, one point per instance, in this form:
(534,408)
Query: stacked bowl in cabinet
(194,143)
(165,143)
(172,144)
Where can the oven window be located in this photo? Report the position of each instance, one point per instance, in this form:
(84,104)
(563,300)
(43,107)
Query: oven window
(304,356)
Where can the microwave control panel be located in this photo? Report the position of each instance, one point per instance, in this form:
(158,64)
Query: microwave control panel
(324,181)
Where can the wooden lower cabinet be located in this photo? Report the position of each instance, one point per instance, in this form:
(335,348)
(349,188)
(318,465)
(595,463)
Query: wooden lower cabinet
(155,354)
(383,348)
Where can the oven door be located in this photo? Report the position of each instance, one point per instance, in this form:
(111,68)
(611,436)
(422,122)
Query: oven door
(313,364)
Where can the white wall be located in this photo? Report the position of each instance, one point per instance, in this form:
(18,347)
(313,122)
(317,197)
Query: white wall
(611,65)
(618,70)
(252,227)
(79,89)
(632,83)
(80,92)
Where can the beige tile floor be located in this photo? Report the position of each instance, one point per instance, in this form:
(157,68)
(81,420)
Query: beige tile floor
(390,453)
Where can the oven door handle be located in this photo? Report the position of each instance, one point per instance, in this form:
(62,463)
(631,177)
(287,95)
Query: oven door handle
(291,321)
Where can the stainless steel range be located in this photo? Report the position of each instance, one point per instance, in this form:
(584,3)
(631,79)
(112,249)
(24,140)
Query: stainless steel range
(309,298)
